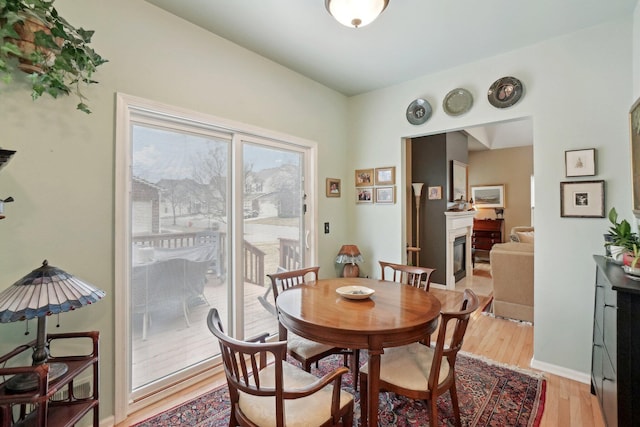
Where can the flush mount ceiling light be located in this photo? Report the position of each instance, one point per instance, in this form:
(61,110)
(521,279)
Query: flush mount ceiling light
(355,13)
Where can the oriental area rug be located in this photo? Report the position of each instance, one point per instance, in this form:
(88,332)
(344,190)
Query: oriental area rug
(490,394)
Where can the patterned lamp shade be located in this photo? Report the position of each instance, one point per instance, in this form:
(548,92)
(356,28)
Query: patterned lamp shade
(349,254)
(46,290)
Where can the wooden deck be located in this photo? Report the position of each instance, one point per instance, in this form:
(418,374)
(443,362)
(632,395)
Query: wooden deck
(171,345)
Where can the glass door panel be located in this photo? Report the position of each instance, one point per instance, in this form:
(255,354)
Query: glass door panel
(179,232)
(274,227)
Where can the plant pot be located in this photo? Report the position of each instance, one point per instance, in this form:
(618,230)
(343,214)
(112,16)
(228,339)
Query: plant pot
(608,239)
(617,253)
(628,258)
(27,31)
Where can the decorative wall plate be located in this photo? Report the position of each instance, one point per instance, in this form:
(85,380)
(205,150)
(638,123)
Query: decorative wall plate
(457,102)
(505,92)
(418,112)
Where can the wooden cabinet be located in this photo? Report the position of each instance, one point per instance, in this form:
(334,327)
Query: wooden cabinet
(615,377)
(486,233)
(36,407)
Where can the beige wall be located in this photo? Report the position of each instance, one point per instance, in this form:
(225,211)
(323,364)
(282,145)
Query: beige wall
(512,167)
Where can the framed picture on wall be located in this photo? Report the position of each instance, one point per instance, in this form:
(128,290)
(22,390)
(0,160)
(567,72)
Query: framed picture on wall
(582,199)
(333,187)
(634,125)
(435,193)
(488,196)
(580,162)
(385,176)
(364,195)
(458,181)
(364,177)
(385,195)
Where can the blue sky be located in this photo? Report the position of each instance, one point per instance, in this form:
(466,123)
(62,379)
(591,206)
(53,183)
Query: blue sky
(159,153)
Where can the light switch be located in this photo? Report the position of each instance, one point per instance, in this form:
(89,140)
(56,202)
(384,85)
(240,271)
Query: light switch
(326,228)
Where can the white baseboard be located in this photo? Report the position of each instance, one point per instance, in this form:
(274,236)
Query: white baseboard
(561,371)
(108,422)
(438,286)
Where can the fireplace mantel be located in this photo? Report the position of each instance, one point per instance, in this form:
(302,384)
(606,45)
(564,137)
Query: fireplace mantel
(458,224)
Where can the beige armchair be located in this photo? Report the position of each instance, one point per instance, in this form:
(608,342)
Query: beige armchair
(512,272)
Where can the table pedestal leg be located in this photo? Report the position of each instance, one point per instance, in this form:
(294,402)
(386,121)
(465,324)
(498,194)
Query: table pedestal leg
(282,332)
(373,386)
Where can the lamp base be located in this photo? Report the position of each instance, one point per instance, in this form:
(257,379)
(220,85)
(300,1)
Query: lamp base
(351,270)
(25,382)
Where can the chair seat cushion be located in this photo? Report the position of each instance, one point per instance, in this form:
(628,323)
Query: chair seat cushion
(408,366)
(304,347)
(312,410)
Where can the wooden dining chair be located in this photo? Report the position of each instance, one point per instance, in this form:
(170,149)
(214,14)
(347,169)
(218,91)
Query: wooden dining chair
(421,372)
(419,277)
(302,349)
(278,393)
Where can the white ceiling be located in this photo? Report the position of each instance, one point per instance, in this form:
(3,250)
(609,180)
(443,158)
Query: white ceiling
(411,38)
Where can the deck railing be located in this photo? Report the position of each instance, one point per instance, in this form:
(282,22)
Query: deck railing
(290,254)
(253,257)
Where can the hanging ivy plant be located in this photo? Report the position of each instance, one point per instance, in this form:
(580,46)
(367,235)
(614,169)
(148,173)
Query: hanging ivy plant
(34,38)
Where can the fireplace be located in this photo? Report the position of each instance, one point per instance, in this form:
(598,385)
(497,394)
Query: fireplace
(458,250)
(459,257)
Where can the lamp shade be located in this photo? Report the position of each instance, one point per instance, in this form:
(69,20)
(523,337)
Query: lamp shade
(46,290)
(355,13)
(417,188)
(349,254)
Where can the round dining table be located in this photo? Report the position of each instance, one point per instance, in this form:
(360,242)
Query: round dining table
(396,314)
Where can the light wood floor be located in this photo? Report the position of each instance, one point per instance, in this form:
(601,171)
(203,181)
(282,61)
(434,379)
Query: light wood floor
(568,403)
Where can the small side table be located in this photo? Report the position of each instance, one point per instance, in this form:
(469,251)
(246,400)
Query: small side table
(35,407)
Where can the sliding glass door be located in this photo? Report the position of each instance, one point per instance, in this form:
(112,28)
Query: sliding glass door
(204,213)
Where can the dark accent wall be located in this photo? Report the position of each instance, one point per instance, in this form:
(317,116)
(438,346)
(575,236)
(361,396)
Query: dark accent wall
(431,164)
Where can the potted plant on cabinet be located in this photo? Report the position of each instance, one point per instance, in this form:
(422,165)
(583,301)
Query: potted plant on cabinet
(34,38)
(621,239)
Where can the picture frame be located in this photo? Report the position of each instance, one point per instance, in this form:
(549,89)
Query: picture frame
(458,181)
(488,196)
(385,176)
(434,193)
(333,188)
(364,177)
(582,199)
(364,195)
(385,195)
(634,131)
(580,162)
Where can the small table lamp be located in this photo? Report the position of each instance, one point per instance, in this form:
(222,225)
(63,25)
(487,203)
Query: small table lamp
(349,255)
(45,291)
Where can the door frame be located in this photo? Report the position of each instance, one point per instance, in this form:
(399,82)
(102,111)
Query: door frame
(126,107)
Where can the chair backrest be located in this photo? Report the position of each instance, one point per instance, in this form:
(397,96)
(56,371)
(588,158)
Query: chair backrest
(288,279)
(419,277)
(450,349)
(242,364)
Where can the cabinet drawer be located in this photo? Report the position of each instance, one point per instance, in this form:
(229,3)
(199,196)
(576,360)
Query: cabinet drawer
(609,393)
(597,352)
(598,309)
(610,334)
